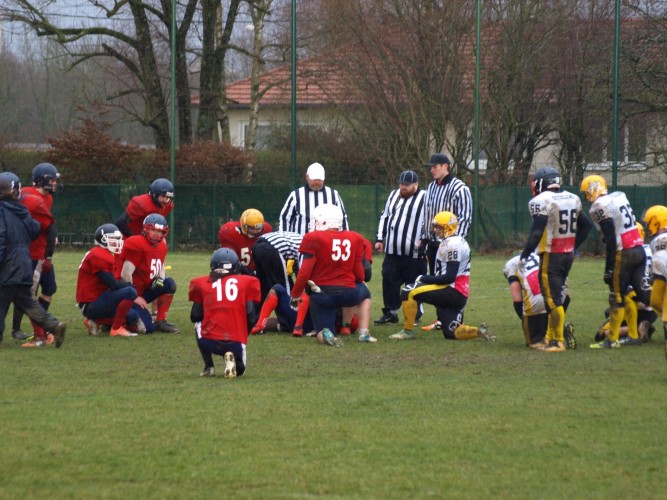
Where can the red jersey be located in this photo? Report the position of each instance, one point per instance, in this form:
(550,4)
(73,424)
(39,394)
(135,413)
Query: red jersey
(337,260)
(224,303)
(141,206)
(47,198)
(88,285)
(39,212)
(148,261)
(231,236)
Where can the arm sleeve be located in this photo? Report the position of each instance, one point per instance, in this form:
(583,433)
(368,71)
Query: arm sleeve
(251,314)
(122,222)
(609,233)
(539,224)
(112,283)
(518,309)
(584,225)
(197,312)
(339,202)
(463,210)
(447,278)
(51,235)
(302,278)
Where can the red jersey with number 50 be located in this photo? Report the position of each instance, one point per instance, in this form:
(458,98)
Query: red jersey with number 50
(141,206)
(224,302)
(88,286)
(147,259)
(231,236)
(336,260)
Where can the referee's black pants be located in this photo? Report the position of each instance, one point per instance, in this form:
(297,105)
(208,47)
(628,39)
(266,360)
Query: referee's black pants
(269,267)
(398,270)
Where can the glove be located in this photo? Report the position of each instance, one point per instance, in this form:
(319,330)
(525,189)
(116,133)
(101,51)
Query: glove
(608,277)
(47,265)
(418,281)
(157,284)
(294,303)
(421,251)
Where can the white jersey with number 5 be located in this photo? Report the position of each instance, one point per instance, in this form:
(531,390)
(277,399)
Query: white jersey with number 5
(562,211)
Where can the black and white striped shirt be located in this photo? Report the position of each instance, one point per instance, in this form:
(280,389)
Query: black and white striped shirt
(298,210)
(453,196)
(400,226)
(286,243)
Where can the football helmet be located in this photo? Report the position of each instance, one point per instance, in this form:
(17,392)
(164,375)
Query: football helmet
(155,228)
(252,223)
(545,178)
(593,187)
(327,216)
(161,187)
(109,236)
(655,218)
(445,224)
(43,176)
(225,261)
(10,185)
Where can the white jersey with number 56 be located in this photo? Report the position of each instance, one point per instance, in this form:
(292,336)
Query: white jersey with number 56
(562,211)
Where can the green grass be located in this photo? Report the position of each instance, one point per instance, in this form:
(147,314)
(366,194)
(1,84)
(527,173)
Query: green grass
(112,417)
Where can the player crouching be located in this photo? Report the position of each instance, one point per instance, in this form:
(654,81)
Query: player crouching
(223,311)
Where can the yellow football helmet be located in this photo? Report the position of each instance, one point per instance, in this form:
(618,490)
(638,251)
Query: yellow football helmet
(593,187)
(445,224)
(655,218)
(252,223)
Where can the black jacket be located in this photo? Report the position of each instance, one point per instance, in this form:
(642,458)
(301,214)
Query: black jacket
(17,230)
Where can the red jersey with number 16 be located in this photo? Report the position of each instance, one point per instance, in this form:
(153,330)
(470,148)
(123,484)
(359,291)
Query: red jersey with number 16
(147,259)
(224,303)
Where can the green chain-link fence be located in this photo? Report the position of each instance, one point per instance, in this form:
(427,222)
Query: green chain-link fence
(200,210)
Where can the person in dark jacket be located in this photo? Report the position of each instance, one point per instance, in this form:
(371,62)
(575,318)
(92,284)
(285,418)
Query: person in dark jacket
(17,230)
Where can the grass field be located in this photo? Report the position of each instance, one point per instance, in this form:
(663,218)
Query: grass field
(130,418)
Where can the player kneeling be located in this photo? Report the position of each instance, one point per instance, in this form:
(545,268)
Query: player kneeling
(223,311)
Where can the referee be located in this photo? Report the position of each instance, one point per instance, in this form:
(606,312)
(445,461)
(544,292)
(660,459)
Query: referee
(271,253)
(398,236)
(297,212)
(444,193)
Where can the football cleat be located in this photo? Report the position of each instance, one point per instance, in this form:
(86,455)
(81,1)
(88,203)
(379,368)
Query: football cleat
(59,334)
(436,325)
(606,344)
(91,326)
(538,345)
(345,329)
(122,332)
(403,335)
(568,333)
(329,338)
(630,341)
(484,332)
(20,335)
(230,365)
(208,372)
(367,337)
(35,342)
(553,346)
(644,328)
(297,331)
(165,326)
(388,317)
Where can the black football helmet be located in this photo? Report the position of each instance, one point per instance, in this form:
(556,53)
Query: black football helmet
(109,236)
(10,185)
(545,178)
(225,261)
(43,174)
(155,228)
(161,187)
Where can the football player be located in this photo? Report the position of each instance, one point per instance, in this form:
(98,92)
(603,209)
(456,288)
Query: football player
(447,289)
(558,229)
(141,263)
(332,260)
(241,235)
(158,200)
(656,224)
(223,310)
(529,303)
(101,297)
(38,198)
(625,258)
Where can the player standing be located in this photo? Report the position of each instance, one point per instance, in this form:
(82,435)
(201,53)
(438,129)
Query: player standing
(158,200)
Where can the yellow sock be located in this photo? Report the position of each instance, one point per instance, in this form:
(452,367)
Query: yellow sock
(557,322)
(465,332)
(615,319)
(631,317)
(410,308)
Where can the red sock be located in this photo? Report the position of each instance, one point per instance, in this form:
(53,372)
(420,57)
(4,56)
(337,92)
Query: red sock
(303,309)
(163,305)
(268,307)
(38,331)
(121,314)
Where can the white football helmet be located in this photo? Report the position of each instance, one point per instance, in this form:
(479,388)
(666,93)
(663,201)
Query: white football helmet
(109,236)
(327,216)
